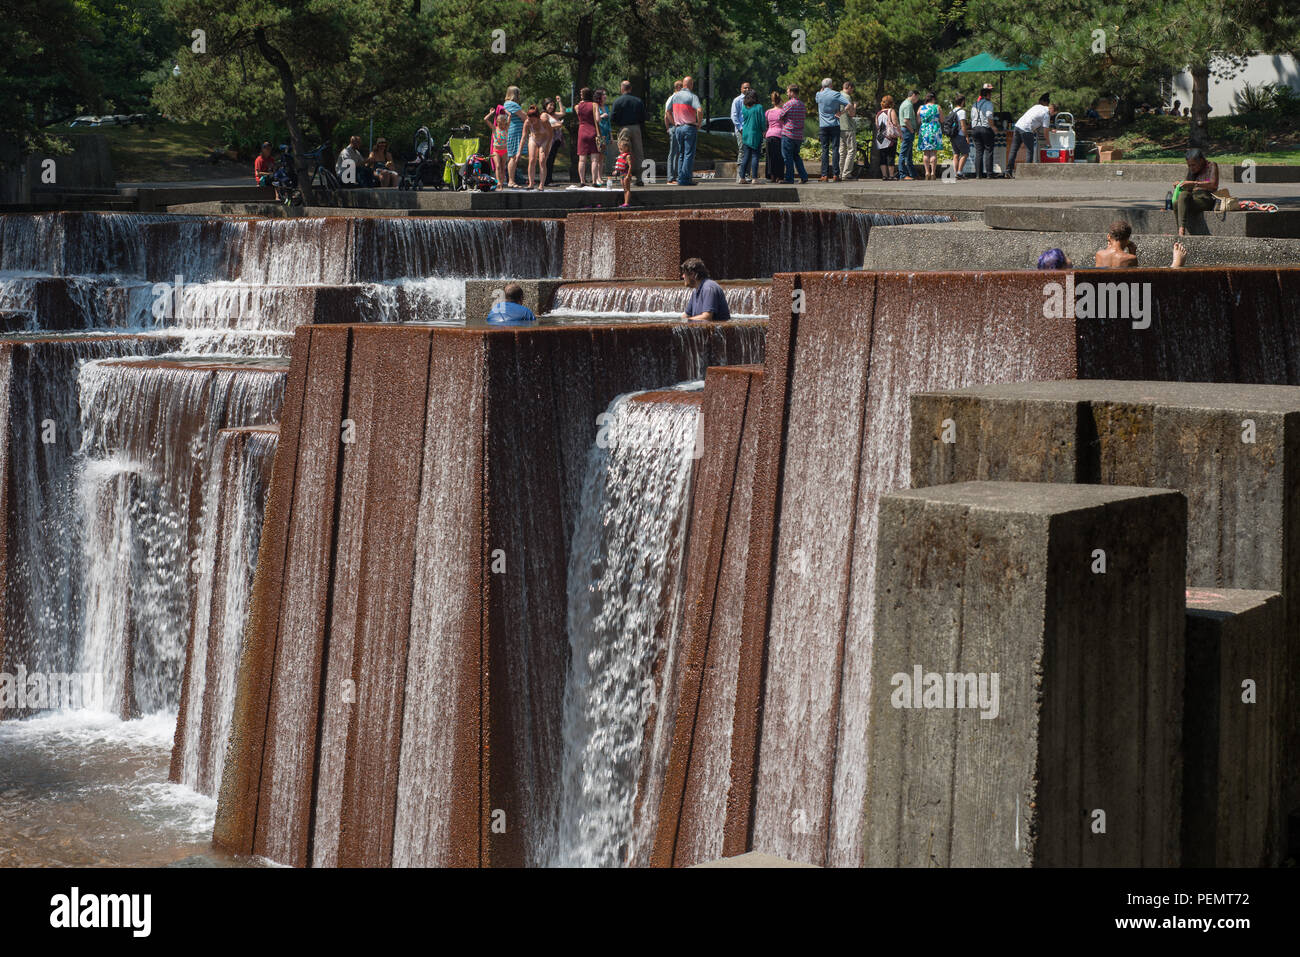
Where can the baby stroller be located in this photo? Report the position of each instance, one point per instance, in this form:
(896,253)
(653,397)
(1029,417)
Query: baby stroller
(461,147)
(478,174)
(426,169)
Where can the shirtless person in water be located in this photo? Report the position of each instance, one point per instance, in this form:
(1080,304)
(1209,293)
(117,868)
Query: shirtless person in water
(1120,251)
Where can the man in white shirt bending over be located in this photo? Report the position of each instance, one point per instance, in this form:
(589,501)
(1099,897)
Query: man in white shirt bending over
(1027,127)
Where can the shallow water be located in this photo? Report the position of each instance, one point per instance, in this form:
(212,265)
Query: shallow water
(84,789)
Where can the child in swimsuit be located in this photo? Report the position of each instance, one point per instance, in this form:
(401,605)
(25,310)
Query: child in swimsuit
(499,126)
(623,167)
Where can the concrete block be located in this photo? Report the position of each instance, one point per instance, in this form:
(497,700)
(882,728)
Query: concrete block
(1232,729)
(1233,450)
(1144,217)
(1074,760)
(480,294)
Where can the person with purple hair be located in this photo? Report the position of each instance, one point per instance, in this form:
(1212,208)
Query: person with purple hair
(1054,259)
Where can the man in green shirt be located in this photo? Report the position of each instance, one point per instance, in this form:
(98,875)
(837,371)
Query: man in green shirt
(909,125)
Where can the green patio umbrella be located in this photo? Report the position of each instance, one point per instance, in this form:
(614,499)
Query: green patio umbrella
(986,63)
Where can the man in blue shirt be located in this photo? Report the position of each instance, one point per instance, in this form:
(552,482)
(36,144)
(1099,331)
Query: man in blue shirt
(830,103)
(707,301)
(738,121)
(511,310)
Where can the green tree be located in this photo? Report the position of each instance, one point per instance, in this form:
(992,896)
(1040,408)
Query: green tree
(322,60)
(1125,44)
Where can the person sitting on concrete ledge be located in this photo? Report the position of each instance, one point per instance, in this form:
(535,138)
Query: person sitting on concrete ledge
(1119,252)
(707,301)
(1196,192)
(264,166)
(511,310)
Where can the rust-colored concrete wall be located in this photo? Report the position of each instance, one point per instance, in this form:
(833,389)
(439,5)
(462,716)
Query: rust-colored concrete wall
(734,243)
(207,628)
(423,559)
(693,809)
(834,436)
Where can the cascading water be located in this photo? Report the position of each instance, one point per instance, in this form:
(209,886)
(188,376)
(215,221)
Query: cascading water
(624,616)
(586,300)
(149,430)
(233,502)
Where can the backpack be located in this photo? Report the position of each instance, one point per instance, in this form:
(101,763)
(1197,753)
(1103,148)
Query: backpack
(950,125)
(885,130)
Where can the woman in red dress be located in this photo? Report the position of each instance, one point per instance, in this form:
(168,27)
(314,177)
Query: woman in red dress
(589,154)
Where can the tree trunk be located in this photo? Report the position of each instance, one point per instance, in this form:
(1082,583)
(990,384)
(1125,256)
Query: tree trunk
(287,86)
(1199,135)
(585,60)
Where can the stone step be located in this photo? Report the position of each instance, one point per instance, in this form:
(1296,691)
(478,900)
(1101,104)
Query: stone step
(1149,217)
(971,245)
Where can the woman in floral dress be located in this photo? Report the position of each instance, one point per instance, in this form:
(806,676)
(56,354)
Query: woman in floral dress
(931,137)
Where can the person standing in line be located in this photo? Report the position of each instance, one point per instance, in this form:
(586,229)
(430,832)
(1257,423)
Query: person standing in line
(588,138)
(668,128)
(1026,130)
(960,143)
(686,114)
(830,103)
(753,126)
(775,165)
(982,127)
(605,133)
(538,134)
(628,114)
(554,115)
(514,136)
(887,134)
(738,121)
(931,135)
(848,118)
(908,128)
(793,115)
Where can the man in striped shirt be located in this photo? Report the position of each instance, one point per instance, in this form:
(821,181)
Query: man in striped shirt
(793,114)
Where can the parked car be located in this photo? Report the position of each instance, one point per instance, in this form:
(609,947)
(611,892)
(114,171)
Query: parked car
(719,125)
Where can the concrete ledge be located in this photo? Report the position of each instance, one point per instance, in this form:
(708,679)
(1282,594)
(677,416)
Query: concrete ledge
(1143,217)
(1148,172)
(480,294)
(1072,758)
(753,859)
(971,246)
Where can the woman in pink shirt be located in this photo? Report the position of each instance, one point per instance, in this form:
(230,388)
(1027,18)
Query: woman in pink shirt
(775,166)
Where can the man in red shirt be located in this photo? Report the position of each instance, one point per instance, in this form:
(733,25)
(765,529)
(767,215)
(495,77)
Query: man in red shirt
(263,166)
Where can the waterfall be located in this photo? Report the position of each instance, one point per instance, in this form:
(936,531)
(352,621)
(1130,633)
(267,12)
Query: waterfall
(624,614)
(784,241)
(580,300)
(148,431)
(233,501)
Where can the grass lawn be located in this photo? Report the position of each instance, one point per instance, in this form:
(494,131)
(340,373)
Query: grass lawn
(169,153)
